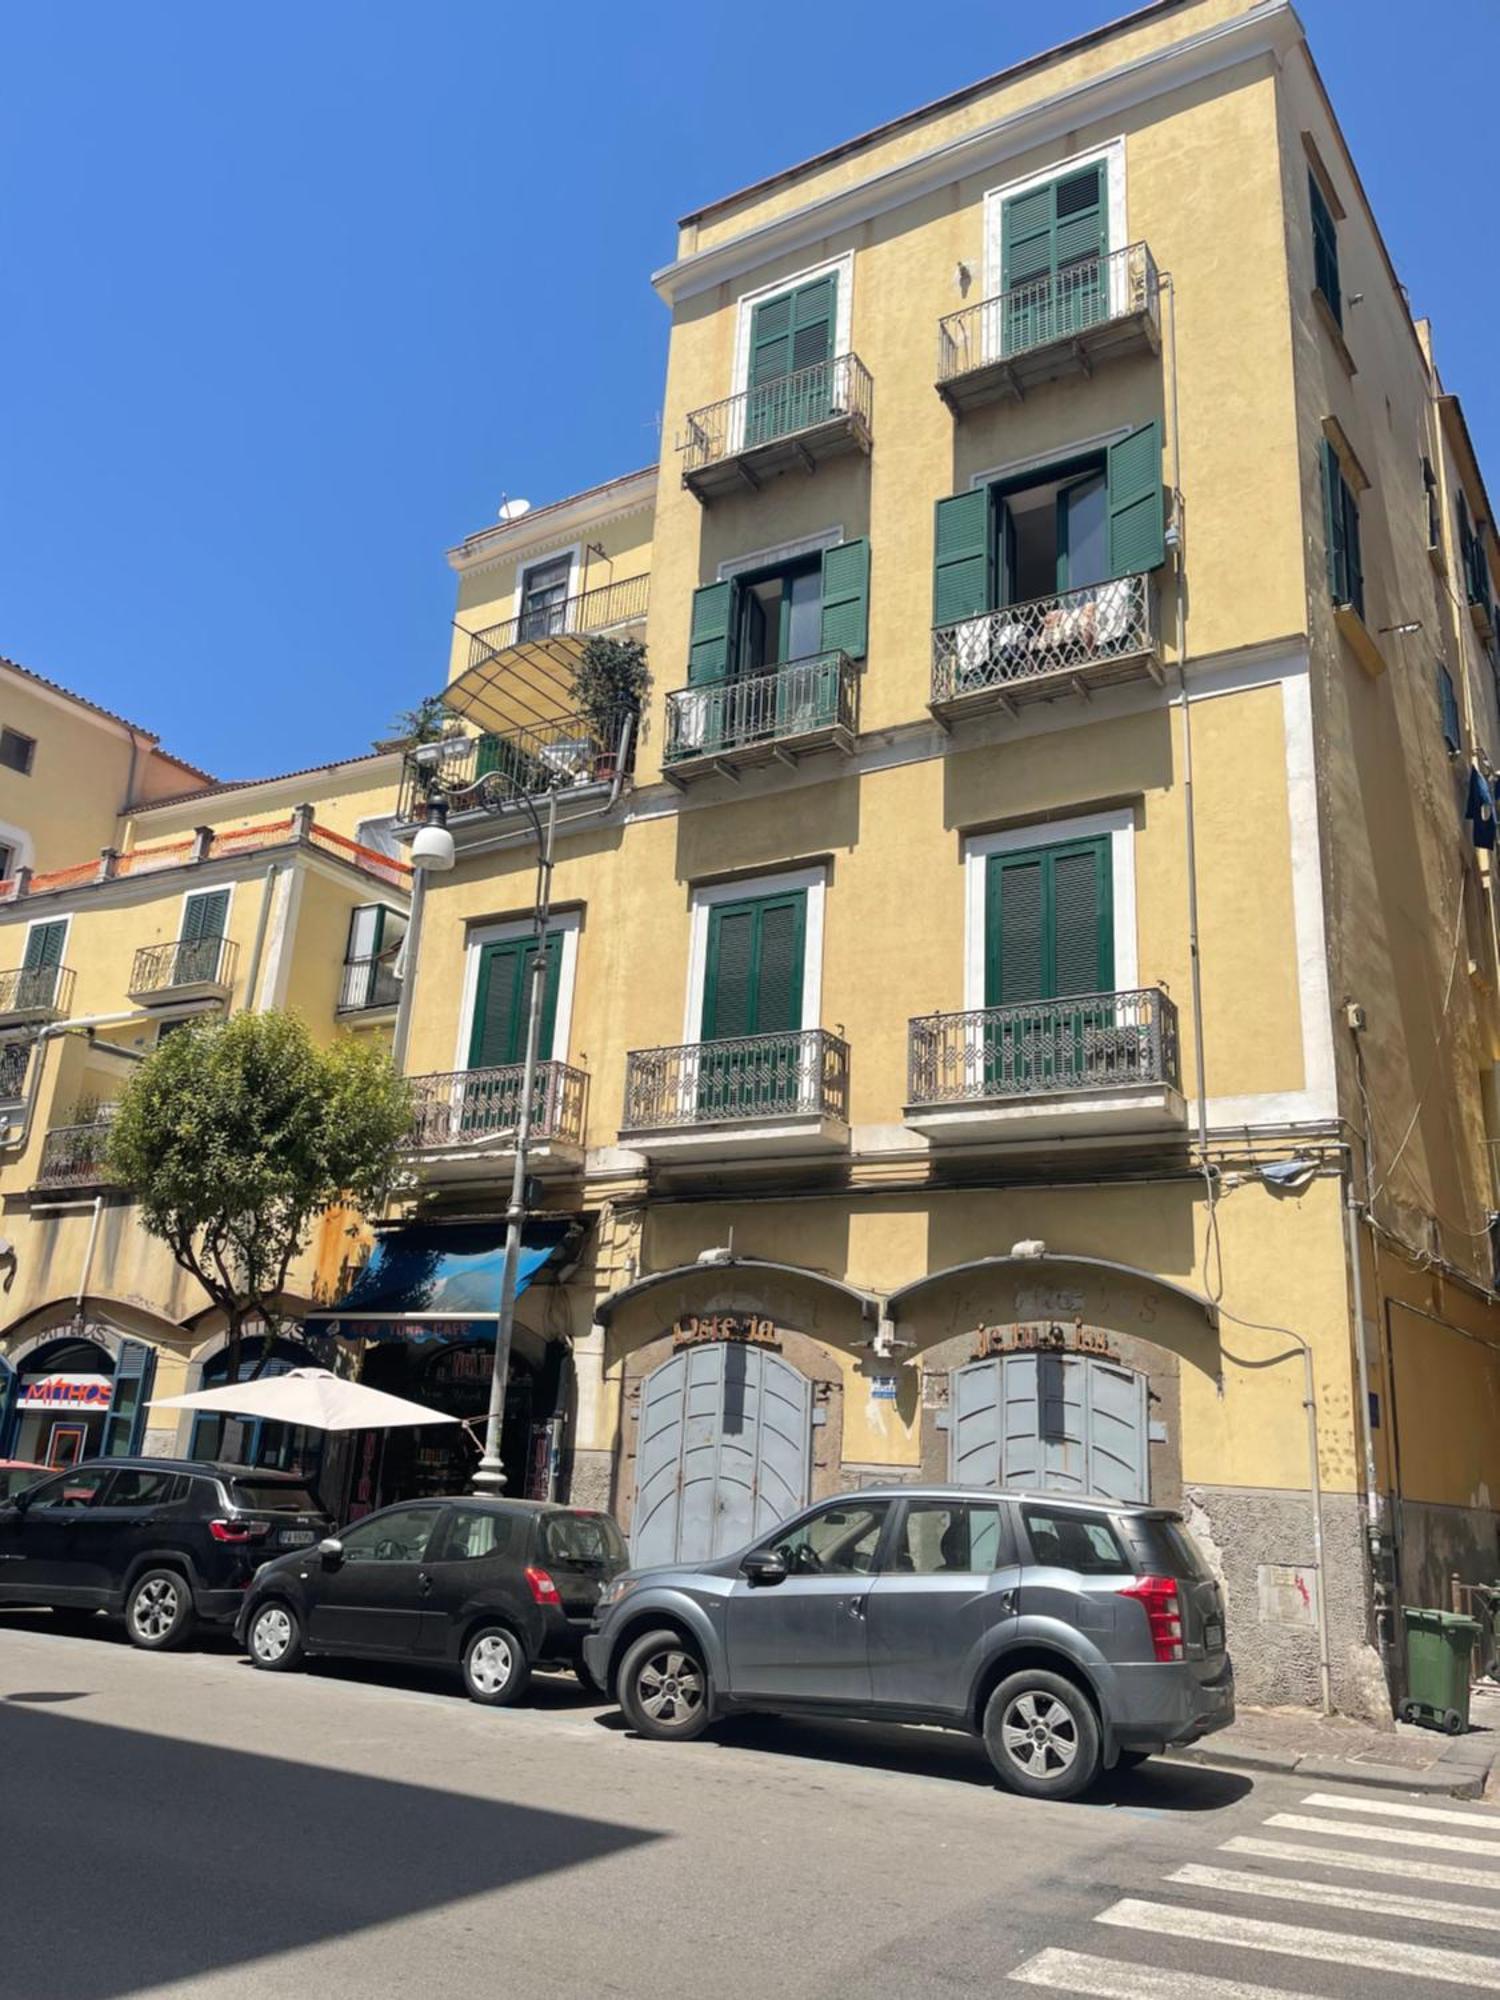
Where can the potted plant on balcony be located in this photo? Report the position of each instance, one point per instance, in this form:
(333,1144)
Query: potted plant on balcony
(610,682)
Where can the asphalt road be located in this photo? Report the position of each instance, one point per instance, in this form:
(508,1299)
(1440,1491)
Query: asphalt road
(183,1825)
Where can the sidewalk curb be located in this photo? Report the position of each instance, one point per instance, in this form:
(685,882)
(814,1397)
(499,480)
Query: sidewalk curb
(1454,1777)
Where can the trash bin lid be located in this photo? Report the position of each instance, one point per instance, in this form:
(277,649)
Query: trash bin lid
(1449,1621)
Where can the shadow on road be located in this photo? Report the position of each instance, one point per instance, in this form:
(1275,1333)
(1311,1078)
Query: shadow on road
(245,1855)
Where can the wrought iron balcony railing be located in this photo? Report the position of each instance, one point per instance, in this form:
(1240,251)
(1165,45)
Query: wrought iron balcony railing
(38,989)
(205,961)
(799,698)
(1075,633)
(468,1106)
(747,1077)
(602,610)
(554,756)
(74,1155)
(1066,305)
(838,390)
(1090,1041)
(368,983)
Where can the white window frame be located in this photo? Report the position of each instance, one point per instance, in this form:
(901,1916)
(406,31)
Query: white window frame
(19,841)
(1112,156)
(841,267)
(543,560)
(815,881)
(44,923)
(783,552)
(1118,824)
(192,895)
(568,924)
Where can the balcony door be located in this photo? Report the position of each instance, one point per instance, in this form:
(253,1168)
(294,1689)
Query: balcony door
(497,1037)
(753,988)
(1049,934)
(40,964)
(204,916)
(791,353)
(1053,244)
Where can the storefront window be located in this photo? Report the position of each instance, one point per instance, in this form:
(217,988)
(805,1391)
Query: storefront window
(256,1441)
(62,1398)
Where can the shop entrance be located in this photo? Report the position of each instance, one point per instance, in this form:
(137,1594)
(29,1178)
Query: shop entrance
(724,1452)
(72,1398)
(258,1441)
(1058,1422)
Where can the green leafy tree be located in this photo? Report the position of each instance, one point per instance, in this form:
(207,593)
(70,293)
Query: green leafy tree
(414,726)
(236,1136)
(611,679)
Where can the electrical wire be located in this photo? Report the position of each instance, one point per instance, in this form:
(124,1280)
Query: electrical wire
(1411,1126)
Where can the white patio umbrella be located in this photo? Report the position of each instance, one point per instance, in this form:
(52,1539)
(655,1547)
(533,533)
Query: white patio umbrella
(315,1398)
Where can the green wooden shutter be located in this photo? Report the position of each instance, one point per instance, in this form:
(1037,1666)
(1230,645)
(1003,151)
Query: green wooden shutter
(1082,925)
(753,976)
(44,946)
(1333,521)
(778,981)
(1015,929)
(1353,558)
(814,308)
(204,916)
(1081,221)
(846,598)
(501,995)
(1325,249)
(1049,923)
(728,987)
(963,577)
(1137,517)
(711,635)
(771,339)
(1053,242)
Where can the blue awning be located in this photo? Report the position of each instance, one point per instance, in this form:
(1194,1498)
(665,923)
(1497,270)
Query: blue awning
(429,1280)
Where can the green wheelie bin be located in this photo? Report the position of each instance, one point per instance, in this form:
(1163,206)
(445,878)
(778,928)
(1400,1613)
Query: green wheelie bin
(1439,1650)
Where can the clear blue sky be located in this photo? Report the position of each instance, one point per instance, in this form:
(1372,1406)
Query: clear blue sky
(291,294)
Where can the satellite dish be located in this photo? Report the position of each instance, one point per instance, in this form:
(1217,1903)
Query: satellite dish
(512,510)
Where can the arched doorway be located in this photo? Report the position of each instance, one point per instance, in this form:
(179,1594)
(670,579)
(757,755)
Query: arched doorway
(73,1397)
(1053,1422)
(724,1451)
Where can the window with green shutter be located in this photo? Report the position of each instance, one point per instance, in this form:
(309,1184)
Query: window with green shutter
(752,986)
(44,945)
(1049,936)
(205,914)
(790,376)
(502,995)
(1054,241)
(1325,249)
(1346,579)
(1448,709)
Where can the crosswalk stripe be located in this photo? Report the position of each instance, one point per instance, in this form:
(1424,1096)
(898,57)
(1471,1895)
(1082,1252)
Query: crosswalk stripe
(1366,1864)
(1392,1836)
(1109,1979)
(1337,1896)
(1423,1962)
(1389,1809)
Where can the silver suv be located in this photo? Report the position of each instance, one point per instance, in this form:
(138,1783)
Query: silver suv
(1073,1635)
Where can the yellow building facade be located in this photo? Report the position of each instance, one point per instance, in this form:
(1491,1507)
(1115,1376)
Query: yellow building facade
(1033,939)
(199,899)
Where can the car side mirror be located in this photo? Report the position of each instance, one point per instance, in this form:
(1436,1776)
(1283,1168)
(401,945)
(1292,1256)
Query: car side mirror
(762,1568)
(331,1549)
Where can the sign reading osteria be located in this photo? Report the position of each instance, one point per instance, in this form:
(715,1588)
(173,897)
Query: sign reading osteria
(692,1331)
(1049,1337)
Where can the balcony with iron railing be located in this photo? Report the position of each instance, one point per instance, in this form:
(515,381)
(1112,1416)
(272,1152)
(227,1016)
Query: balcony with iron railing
(1093,1063)
(797,420)
(1071,643)
(559,631)
(1062,323)
(747,1096)
(35,993)
(369,986)
(566,754)
(74,1156)
(779,715)
(187,969)
(464,1121)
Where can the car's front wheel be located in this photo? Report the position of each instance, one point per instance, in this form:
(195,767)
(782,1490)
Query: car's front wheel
(275,1638)
(1042,1735)
(664,1689)
(496,1669)
(158,1610)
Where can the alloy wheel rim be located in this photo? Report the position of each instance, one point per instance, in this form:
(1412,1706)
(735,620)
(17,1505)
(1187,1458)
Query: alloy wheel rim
(491,1662)
(1039,1735)
(272,1634)
(670,1686)
(156,1607)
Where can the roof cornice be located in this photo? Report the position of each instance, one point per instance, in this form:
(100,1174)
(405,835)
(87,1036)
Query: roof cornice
(1269,28)
(560,521)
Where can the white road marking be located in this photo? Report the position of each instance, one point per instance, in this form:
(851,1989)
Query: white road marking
(1366,1864)
(1389,1809)
(1337,1896)
(1392,1836)
(1422,1963)
(1108,1979)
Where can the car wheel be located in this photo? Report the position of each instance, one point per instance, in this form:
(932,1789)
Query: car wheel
(274,1640)
(664,1688)
(158,1610)
(586,1680)
(1042,1737)
(496,1669)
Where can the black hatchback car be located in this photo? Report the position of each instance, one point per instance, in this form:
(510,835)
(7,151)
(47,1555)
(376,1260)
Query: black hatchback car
(165,1541)
(493,1587)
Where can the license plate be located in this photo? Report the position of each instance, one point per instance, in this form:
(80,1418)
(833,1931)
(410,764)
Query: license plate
(1213,1636)
(295,1538)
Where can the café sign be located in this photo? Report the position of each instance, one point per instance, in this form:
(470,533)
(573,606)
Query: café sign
(749,1328)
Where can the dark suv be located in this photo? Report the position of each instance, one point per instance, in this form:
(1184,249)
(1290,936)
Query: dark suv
(165,1541)
(1073,1635)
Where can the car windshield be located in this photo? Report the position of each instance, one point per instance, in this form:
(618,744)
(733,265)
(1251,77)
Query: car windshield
(268,1496)
(582,1541)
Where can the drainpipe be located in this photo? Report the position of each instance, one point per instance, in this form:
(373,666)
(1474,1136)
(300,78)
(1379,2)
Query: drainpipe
(252,977)
(88,1250)
(401,1030)
(1315,1488)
